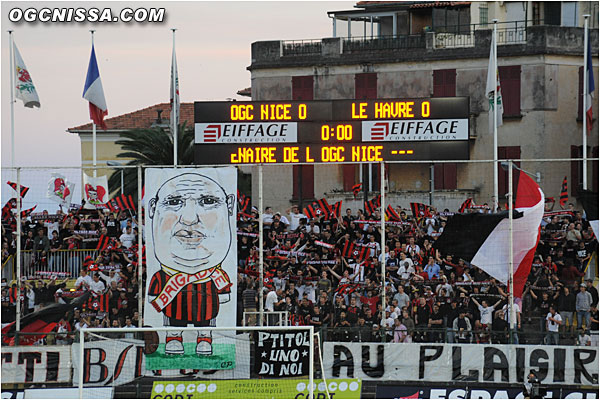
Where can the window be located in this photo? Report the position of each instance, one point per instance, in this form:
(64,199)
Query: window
(444,176)
(510,84)
(365,87)
(303,176)
(444,83)
(302,87)
(483,13)
(506,153)
(569,13)
(552,12)
(304,182)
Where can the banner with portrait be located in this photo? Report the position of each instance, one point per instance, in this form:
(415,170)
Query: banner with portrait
(191,252)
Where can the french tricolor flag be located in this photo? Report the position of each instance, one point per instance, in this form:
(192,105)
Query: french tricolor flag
(589,90)
(94,93)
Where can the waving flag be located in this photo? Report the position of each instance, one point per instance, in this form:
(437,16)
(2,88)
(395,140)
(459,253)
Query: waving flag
(493,82)
(466,205)
(94,93)
(564,194)
(95,191)
(7,214)
(59,189)
(243,202)
(391,214)
(25,213)
(589,89)
(24,88)
(336,209)
(419,210)
(356,189)
(24,189)
(355,251)
(484,239)
(372,205)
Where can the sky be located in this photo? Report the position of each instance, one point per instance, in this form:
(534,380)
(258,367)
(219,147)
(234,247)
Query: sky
(213,46)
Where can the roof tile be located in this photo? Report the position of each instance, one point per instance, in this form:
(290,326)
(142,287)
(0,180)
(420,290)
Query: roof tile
(143,118)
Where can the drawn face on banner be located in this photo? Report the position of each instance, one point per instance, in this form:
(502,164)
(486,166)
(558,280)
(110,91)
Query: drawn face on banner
(190,223)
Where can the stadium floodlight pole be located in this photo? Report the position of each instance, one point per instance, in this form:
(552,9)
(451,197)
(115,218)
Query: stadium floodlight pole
(261,301)
(12,99)
(511,298)
(18,261)
(495,123)
(382,212)
(140,246)
(586,38)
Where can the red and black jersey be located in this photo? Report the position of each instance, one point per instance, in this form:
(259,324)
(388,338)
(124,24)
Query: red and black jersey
(195,303)
(99,302)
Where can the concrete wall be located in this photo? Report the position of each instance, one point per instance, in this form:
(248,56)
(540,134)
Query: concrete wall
(546,129)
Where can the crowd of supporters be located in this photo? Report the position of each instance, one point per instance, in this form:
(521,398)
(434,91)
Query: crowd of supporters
(430,297)
(327,272)
(109,278)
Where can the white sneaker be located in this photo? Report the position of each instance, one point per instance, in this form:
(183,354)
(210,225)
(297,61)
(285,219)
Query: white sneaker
(204,346)
(174,345)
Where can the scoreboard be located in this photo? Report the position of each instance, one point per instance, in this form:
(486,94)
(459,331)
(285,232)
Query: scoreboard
(331,131)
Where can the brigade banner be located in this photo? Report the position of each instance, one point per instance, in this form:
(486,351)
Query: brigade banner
(559,365)
(192,264)
(282,353)
(257,389)
(36,364)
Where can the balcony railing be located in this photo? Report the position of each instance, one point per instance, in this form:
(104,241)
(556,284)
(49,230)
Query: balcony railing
(399,42)
(301,47)
(444,37)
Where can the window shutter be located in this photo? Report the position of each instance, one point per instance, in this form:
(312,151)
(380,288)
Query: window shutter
(444,83)
(450,176)
(575,175)
(303,89)
(510,83)
(505,153)
(580,96)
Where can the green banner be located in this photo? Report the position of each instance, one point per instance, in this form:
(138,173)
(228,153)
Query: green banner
(256,389)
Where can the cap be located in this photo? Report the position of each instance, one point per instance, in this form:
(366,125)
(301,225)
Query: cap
(582,285)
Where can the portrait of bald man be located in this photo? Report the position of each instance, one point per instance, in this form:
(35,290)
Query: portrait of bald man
(191,237)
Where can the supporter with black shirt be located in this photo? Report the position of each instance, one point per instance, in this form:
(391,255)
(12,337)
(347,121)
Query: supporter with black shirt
(243,248)
(353,311)
(112,226)
(305,310)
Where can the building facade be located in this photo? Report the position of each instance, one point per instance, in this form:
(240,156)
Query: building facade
(442,49)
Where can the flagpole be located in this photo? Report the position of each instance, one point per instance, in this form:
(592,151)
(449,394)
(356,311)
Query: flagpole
(93,126)
(173,104)
(495,105)
(382,208)
(18,255)
(12,99)
(260,246)
(511,298)
(585,92)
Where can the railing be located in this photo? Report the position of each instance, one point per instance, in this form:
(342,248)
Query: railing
(455,36)
(8,268)
(366,334)
(398,42)
(301,47)
(270,318)
(63,262)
